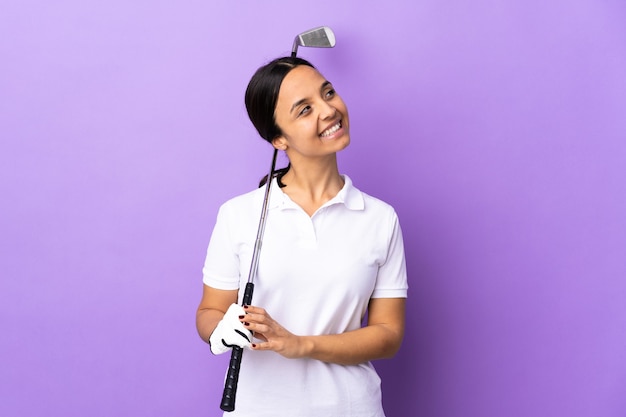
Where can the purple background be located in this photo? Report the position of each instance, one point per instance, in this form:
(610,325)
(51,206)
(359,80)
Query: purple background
(496,129)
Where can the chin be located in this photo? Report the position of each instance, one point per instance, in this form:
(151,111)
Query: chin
(345,141)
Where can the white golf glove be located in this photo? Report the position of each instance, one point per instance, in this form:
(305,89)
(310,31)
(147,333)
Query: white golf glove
(230,332)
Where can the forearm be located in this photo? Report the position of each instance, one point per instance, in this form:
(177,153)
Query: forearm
(212,308)
(206,321)
(354,347)
(381,338)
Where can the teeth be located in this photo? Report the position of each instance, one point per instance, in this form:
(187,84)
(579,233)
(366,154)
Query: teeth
(331,130)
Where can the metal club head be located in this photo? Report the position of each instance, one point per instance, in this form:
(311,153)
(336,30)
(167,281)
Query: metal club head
(321,37)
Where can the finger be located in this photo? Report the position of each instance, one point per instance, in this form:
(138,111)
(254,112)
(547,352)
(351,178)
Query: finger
(254,318)
(254,310)
(260,336)
(261,346)
(257,327)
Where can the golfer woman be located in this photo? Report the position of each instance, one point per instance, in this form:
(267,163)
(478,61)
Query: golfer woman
(331,254)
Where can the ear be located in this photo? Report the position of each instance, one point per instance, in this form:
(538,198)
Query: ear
(280,143)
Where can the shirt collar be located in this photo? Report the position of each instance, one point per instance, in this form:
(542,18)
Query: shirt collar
(349,196)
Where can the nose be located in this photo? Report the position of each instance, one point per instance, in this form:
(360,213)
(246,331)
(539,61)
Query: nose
(327,111)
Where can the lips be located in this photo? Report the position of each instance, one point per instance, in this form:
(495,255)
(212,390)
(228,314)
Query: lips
(331,130)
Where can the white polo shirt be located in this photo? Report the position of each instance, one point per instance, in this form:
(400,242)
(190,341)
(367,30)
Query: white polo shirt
(316,276)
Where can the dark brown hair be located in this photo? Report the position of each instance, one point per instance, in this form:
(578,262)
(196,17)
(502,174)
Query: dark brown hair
(262,96)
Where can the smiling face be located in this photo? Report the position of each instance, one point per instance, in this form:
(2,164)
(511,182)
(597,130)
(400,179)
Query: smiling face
(313,119)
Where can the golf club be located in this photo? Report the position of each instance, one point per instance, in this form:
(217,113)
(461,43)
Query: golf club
(321,37)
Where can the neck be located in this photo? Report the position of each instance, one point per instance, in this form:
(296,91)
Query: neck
(312,183)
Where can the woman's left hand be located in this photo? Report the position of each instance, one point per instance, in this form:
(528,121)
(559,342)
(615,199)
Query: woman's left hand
(274,336)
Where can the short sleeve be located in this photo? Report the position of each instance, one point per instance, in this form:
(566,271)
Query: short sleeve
(221,265)
(391,281)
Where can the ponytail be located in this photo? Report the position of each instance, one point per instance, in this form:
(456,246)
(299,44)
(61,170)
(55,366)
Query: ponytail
(279,174)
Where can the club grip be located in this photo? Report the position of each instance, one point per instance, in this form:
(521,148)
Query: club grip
(247,294)
(232,376)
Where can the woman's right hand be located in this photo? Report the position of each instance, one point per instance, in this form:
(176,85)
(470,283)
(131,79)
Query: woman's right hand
(230,332)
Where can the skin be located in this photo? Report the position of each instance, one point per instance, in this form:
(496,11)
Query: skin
(307,107)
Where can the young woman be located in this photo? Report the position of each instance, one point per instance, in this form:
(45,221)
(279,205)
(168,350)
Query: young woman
(330,254)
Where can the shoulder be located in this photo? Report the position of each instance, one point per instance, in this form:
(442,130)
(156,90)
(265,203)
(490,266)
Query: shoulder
(377,203)
(243,201)
(242,206)
(371,204)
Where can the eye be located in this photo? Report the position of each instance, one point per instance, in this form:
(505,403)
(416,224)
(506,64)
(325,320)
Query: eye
(330,93)
(304,110)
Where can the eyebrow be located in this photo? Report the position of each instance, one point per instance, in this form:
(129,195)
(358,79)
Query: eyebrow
(299,102)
